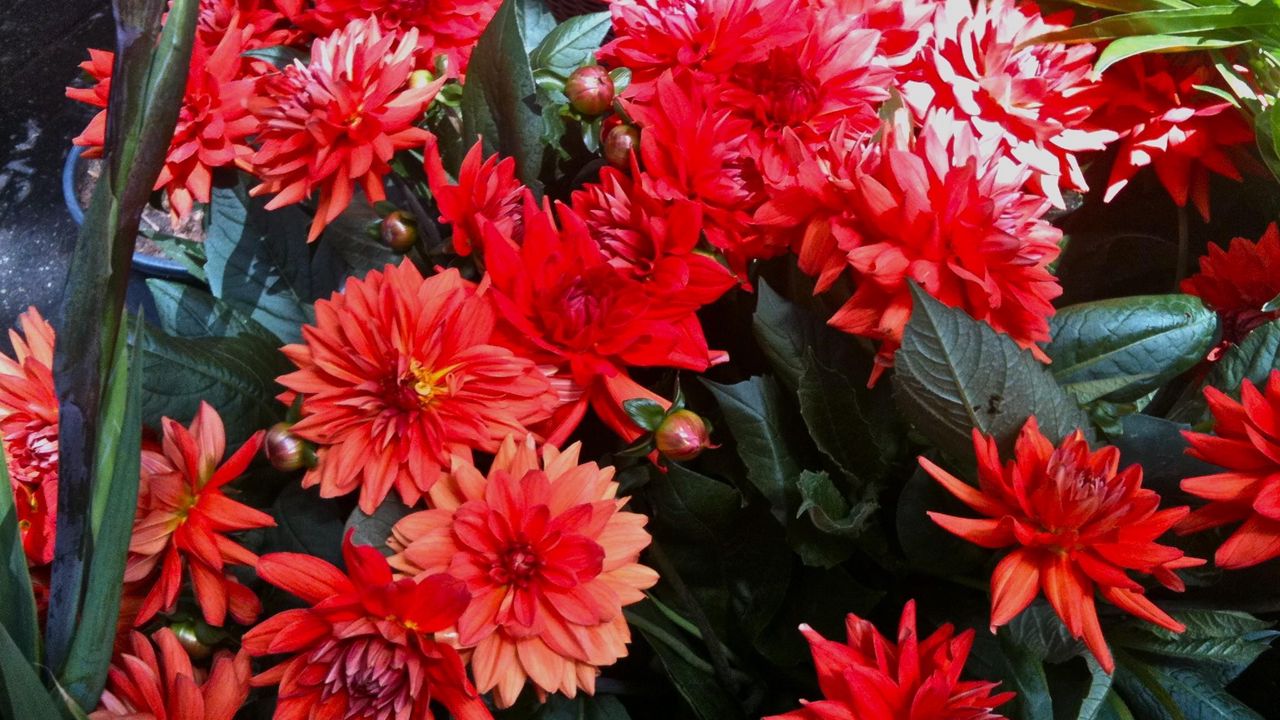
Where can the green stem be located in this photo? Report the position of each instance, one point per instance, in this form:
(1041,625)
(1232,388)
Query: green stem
(656,633)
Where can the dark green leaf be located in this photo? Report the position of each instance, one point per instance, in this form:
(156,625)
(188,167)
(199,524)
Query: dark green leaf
(1039,631)
(1159,447)
(348,236)
(1195,696)
(829,510)
(1152,338)
(928,547)
(1220,644)
(1170,21)
(376,528)
(281,56)
(1252,359)
(260,263)
(22,697)
(1026,677)
(1143,689)
(187,253)
(689,672)
(1126,47)
(499,100)
(1097,695)
(787,334)
(571,45)
(833,410)
(1267,129)
(583,707)
(646,413)
(235,375)
(306,523)
(536,22)
(17,603)
(186,311)
(752,408)
(954,374)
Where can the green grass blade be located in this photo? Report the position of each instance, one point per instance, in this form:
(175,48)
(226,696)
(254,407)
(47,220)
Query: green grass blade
(22,697)
(17,603)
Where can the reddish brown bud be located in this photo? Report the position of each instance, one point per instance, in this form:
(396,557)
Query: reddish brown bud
(682,436)
(399,231)
(285,451)
(590,90)
(619,144)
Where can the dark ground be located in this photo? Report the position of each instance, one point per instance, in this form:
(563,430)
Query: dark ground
(41,44)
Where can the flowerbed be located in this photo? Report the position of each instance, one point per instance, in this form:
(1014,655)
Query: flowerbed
(821,359)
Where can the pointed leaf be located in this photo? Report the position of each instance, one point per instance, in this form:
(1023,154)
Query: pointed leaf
(21,694)
(17,603)
(571,45)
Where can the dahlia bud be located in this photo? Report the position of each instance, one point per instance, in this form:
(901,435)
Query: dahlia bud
(286,451)
(420,79)
(590,90)
(399,231)
(189,638)
(682,436)
(619,144)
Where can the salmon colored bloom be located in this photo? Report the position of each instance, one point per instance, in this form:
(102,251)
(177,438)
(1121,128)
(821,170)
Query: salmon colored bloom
(550,558)
(443,27)
(145,684)
(366,647)
(1025,98)
(1245,443)
(651,240)
(213,124)
(868,677)
(337,121)
(486,190)
(1077,524)
(1238,282)
(399,373)
(29,428)
(1165,121)
(184,517)
(586,320)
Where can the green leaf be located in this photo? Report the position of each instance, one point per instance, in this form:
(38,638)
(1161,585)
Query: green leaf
(1171,21)
(236,375)
(260,263)
(1026,677)
(571,45)
(1193,695)
(645,413)
(833,410)
(1253,359)
(1156,336)
(21,694)
(186,311)
(953,374)
(1220,644)
(752,408)
(375,529)
(17,603)
(583,707)
(499,99)
(536,22)
(1040,632)
(187,253)
(1097,695)
(114,505)
(787,334)
(1126,47)
(929,548)
(829,510)
(1088,391)
(349,237)
(1159,447)
(281,56)
(691,674)
(1266,127)
(306,523)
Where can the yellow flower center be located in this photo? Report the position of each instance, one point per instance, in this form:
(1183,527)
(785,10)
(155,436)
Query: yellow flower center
(427,383)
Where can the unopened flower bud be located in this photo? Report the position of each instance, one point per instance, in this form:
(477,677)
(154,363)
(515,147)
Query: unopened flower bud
(399,231)
(189,638)
(590,90)
(420,79)
(619,144)
(682,436)
(285,451)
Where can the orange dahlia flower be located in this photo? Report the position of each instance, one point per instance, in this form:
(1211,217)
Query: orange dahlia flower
(486,191)
(1026,98)
(550,559)
(1246,444)
(1238,282)
(183,518)
(29,428)
(399,373)
(213,123)
(142,683)
(870,678)
(586,320)
(366,647)
(337,121)
(1076,525)
(1165,121)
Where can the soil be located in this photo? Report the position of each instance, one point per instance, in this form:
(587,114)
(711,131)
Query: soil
(155,220)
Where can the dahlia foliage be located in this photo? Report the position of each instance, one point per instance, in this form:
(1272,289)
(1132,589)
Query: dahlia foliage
(529,362)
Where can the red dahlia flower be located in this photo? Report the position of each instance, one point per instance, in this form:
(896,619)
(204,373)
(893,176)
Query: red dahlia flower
(870,678)
(1028,99)
(690,150)
(213,123)
(399,373)
(444,27)
(366,647)
(587,319)
(338,121)
(550,559)
(164,686)
(1238,282)
(266,24)
(486,191)
(707,38)
(183,517)
(1246,444)
(651,240)
(29,428)
(1076,525)
(1164,120)
(904,25)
